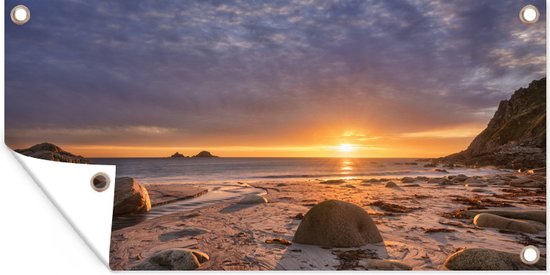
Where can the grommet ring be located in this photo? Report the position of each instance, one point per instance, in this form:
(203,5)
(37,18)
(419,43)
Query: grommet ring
(530,255)
(529,14)
(100,182)
(20,15)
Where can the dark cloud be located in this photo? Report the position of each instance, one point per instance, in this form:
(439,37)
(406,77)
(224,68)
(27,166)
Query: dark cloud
(101,71)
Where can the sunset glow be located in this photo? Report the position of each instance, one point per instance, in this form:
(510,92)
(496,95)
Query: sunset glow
(346,148)
(261,91)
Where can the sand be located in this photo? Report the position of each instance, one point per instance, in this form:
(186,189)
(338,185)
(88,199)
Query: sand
(415,222)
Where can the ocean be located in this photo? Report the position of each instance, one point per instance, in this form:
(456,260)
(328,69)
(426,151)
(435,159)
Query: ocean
(218,171)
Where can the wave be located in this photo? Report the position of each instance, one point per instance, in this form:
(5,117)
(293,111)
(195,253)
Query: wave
(386,173)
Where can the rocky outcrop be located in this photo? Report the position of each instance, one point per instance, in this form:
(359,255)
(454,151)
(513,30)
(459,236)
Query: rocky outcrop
(177,155)
(516,135)
(52,152)
(130,197)
(204,154)
(488,259)
(335,223)
(174,259)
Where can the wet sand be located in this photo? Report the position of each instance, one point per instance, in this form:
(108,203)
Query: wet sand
(422,222)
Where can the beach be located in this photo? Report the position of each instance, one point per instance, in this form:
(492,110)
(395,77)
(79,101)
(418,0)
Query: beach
(422,220)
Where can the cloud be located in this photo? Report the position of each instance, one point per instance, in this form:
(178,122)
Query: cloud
(264,68)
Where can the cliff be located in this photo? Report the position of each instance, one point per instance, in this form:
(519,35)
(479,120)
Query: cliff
(516,135)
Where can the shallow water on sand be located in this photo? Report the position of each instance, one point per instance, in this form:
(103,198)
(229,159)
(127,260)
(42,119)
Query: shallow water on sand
(228,178)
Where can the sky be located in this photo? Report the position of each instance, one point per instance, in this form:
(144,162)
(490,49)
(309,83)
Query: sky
(298,78)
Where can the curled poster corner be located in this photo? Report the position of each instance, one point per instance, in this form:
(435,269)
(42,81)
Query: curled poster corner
(68,187)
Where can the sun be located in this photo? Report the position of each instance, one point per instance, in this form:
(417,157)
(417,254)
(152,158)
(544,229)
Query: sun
(346,148)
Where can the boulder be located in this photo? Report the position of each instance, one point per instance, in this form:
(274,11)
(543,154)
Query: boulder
(407,180)
(339,181)
(526,183)
(422,178)
(473,180)
(460,177)
(335,223)
(253,199)
(533,215)
(436,180)
(130,197)
(481,190)
(391,184)
(476,184)
(377,264)
(494,221)
(488,259)
(174,259)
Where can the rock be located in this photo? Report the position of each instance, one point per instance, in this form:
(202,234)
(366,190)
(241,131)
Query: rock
(441,170)
(174,259)
(130,197)
(422,178)
(412,185)
(204,154)
(516,135)
(526,183)
(377,264)
(430,165)
(391,184)
(494,221)
(335,223)
(472,180)
(533,215)
(349,186)
(333,181)
(177,155)
(370,181)
(460,177)
(436,180)
(253,199)
(488,259)
(520,181)
(537,171)
(407,180)
(477,184)
(278,241)
(52,152)
(481,190)
(496,182)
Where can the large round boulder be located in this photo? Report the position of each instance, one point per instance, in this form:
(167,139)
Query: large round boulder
(494,221)
(335,223)
(174,259)
(488,259)
(130,197)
